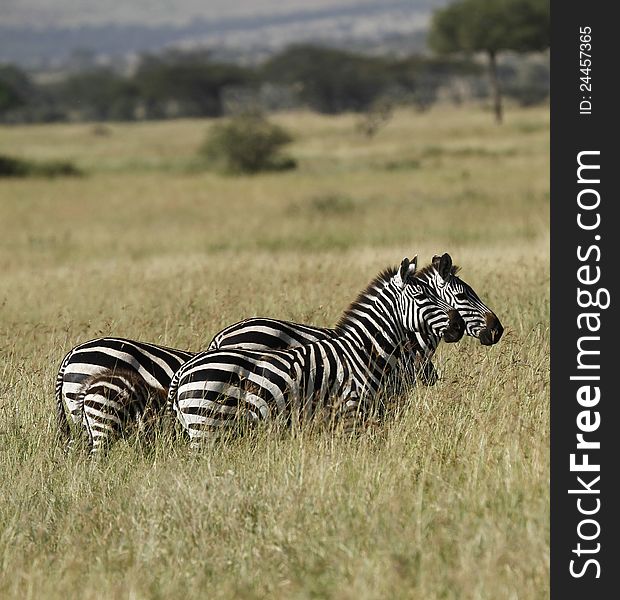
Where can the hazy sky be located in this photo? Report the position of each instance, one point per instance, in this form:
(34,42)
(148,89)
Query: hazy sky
(45,13)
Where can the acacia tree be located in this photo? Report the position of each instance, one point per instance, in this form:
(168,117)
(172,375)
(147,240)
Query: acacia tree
(491,26)
(15,88)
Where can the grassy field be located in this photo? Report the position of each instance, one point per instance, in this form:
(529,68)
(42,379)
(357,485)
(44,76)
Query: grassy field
(447,499)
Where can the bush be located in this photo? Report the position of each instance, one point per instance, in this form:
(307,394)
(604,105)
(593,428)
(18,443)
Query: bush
(17,167)
(248,144)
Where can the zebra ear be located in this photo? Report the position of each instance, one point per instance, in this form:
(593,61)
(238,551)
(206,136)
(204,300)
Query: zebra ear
(404,271)
(443,265)
(408,269)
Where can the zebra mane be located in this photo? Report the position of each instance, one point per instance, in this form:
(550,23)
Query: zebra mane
(368,292)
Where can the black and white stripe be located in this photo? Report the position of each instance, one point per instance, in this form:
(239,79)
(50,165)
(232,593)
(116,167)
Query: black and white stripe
(262,333)
(112,402)
(153,364)
(342,373)
(156,364)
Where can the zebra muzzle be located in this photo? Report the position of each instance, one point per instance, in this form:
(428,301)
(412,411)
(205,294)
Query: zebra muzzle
(493,331)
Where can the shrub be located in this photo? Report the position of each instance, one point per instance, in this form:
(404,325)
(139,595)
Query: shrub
(248,144)
(17,167)
(377,116)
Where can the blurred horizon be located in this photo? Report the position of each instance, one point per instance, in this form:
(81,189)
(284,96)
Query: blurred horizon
(185,60)
(37,34)
(63,13)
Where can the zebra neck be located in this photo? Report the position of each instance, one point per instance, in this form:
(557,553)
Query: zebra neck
(424,344)
(371,328)
(427,341)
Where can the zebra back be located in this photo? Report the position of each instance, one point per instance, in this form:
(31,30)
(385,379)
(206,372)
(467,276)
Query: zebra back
(261,333)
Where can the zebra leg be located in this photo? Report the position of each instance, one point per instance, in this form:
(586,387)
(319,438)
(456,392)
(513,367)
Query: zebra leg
(63,428)
(101,428)
(202,438)
(99,443)
(348,415)
(62,423)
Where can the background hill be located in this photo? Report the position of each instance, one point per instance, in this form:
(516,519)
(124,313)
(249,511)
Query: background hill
(34,34)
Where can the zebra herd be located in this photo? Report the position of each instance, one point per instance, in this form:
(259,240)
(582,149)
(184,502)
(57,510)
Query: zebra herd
(262,369)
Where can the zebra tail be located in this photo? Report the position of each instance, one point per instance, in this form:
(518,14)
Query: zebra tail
(63,429)
(172,394)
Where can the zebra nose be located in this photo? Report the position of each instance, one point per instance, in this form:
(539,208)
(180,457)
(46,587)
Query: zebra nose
(493,331)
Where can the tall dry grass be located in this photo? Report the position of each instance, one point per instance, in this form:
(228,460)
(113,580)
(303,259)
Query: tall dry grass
(447,498)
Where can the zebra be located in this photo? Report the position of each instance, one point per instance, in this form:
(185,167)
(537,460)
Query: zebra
(156,364)
(342,373)
(153,364)
(110,402)
(481,322)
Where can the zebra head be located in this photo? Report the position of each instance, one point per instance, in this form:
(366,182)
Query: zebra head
(480,321)
(423,311)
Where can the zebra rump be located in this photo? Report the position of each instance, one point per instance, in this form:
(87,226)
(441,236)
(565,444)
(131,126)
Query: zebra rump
(111,403)
(153,364)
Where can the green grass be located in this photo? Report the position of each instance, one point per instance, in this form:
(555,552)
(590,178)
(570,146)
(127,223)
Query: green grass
(448,498)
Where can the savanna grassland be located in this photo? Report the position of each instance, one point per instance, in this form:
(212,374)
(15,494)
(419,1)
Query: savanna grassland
(447,498)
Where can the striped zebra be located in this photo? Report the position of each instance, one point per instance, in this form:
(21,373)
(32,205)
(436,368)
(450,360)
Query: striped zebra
(480,322)
(342,373)
(157,364)
(153,364)
(112,402)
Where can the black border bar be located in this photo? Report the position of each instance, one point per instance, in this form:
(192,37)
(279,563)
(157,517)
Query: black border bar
(585,361)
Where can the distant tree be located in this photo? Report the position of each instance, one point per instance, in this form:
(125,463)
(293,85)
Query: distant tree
(329,80)
(99,94)
(491,26)
(529,83)
(15,88)
(420,77)
(189,79)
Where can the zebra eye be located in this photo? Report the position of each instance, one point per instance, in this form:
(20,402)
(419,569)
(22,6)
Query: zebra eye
(461,296)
